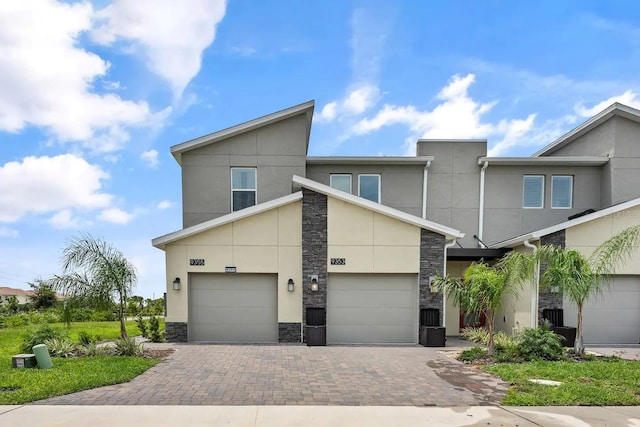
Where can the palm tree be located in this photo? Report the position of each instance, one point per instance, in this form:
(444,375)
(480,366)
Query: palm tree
(94,270)
(580,278)
(484,287)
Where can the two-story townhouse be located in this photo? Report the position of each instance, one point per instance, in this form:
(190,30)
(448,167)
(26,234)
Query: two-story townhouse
(272,236)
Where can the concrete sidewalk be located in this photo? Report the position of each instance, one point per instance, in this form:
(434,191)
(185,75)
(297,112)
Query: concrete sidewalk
(310,416)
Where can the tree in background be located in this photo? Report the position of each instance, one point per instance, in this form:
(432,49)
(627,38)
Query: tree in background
(135,304)
(581,278)
(93,269)
(43,294)
(484,287)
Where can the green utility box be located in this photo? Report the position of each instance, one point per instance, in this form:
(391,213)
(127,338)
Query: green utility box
(21,361)
(42,356)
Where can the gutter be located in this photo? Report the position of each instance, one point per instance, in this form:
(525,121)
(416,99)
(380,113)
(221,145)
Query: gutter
(425,180)
(536,287)
(444,274)
(481,207)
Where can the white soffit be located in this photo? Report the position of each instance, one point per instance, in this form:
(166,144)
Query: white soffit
(449,233)
(545,161)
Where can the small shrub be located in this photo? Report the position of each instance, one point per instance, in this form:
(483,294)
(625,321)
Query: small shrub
(142,325)
(85,338)
(539,344)
(102,316)
(94,349)
(476,335)
(60,347)
(39,335)
(155,334)
(472,354)
(128,347)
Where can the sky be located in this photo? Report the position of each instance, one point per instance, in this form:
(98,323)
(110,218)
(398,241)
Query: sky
(94,94)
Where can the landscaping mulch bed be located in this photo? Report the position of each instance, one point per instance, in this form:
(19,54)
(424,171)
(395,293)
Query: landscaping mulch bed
(157,354)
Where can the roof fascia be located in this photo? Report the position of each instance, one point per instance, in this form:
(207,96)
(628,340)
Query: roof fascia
(545,161)
(364,160)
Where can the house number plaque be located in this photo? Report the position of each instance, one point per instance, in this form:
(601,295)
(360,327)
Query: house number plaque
(338,261)
(196,261)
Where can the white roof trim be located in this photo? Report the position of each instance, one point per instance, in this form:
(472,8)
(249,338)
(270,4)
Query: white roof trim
(616,109)
(545,161)
(162,241)
(449,233)
(367,160)
(536,235)
(306,107)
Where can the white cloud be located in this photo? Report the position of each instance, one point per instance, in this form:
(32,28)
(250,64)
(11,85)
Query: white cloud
(50,184)
(513,132)
(115,216)
(628,98)
(328,112)
(150,157)
(356,102)
(9,232)
(46,77)
(171,38)
(165,204)
(64,219)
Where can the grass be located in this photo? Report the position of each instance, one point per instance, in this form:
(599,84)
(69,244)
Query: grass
(19,386)
(605,381)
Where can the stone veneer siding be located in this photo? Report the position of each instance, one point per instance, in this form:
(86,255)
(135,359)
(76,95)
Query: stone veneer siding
(546,298)
(314,251)
(289,332)
(176,331)
(431,264)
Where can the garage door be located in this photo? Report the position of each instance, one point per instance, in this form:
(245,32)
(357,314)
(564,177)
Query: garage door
(613,317)
(240,308)
(372,308)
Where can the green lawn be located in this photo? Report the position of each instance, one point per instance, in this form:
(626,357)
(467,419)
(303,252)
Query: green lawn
(600,382)
(68,375)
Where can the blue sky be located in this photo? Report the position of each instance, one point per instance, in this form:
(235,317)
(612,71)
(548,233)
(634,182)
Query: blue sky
(93,94)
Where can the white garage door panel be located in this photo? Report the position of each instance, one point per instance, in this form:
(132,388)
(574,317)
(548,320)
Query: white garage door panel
(372,309)
(233,308)
(613,317)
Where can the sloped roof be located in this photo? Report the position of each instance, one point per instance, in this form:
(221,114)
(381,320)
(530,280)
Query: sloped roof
(304,108)
(449,233)
(615,109)
(536,235)
(162,241)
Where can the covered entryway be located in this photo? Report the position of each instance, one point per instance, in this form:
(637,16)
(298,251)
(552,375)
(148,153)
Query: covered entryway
(372,309)
(238,308)
(613,317)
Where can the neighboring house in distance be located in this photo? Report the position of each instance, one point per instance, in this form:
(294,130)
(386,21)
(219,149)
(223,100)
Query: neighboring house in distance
(271,236)
(6,293)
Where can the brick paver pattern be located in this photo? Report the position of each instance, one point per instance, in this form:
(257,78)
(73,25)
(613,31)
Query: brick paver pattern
(300,375)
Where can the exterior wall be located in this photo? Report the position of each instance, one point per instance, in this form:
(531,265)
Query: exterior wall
(431,264)
(516,310)
(314,252)
(370,242)
(400,185)
(269,242)
(588,236)
(278,151)
(546,297)
(453,190)
(504,216)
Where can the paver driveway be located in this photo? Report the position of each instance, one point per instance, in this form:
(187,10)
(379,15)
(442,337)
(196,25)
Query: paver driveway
(300,375)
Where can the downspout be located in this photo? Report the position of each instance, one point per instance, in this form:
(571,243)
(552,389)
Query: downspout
(425,180)
(481,207)
(444,274)
(535,290)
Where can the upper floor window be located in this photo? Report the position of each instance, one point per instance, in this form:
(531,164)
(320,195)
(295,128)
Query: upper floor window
(533,191)
(340,182)
(561,192)
(369,187)
(243,188)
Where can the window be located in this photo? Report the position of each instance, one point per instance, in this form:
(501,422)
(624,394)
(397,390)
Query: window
(340,182)
(533,191)
(369,187)
(561,192)
(243,188)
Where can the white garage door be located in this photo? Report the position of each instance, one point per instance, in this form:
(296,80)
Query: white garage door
(613,317)
(372,308)
(240,308)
